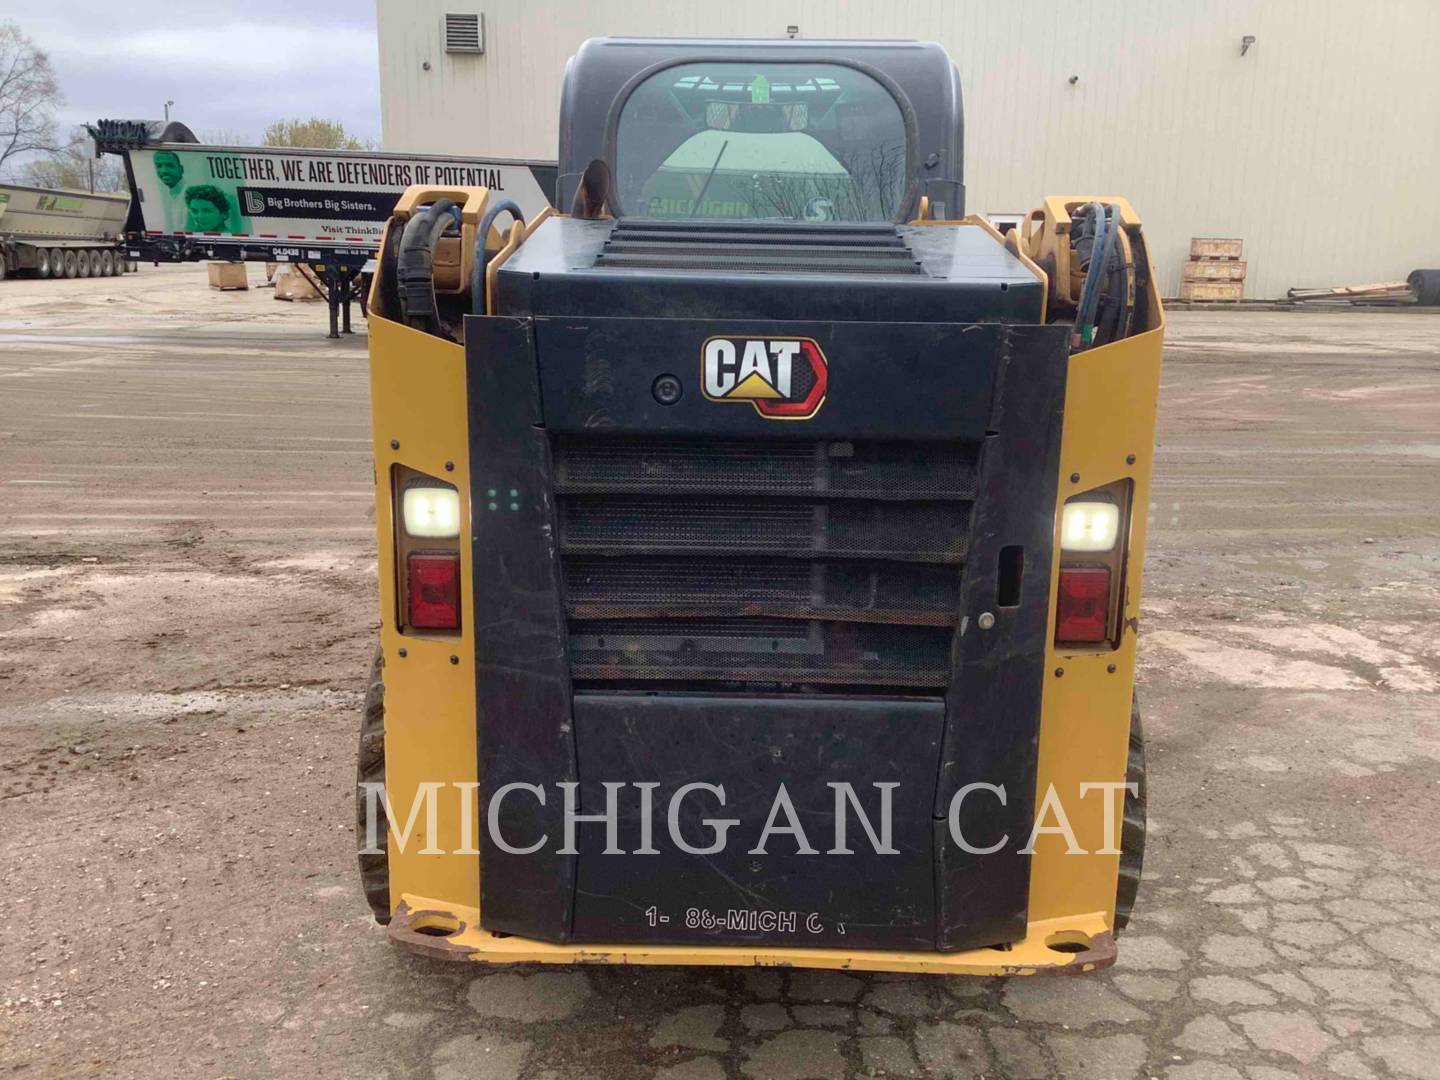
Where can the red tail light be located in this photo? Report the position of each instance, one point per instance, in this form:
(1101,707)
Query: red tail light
(433,581)
(1083,610)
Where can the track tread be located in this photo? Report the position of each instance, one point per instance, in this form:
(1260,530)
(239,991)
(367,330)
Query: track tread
(1132,834)
(370,768)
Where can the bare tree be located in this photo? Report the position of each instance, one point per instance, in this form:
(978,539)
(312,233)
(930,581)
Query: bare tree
(29,95)
(868,189)
(75,166)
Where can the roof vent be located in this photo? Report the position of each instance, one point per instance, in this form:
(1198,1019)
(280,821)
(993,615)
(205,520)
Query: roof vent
(463,33)
(757,247)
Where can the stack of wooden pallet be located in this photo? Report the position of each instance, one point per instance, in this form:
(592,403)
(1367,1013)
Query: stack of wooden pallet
(1382,292)
(1215,270)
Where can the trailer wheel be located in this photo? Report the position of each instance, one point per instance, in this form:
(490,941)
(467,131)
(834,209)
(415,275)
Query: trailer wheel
(82,264)
(370,768)
(57,262)
(107,264)
(97,265)
(1132,834)
(42,262)
(71,263)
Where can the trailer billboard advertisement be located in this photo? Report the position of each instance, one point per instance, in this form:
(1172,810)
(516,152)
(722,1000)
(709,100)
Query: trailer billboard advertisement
(314,196)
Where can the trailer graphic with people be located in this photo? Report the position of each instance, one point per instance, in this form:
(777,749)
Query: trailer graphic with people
(324,209)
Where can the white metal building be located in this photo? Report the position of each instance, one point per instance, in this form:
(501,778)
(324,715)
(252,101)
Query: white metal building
(1310,128)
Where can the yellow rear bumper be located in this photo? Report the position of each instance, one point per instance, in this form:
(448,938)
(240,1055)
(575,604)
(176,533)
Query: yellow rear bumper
(445,932)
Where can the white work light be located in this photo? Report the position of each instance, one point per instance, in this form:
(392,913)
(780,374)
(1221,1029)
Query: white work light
(1089,526)
(432,512)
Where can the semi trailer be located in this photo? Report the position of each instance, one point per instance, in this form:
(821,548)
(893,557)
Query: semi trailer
(54,232)
(322,209)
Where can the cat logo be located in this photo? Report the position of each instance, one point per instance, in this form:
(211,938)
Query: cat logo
(784,378)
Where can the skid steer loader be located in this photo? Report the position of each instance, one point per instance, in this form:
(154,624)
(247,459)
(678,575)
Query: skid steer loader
(760,537)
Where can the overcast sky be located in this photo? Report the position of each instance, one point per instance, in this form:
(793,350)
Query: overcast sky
(229,68)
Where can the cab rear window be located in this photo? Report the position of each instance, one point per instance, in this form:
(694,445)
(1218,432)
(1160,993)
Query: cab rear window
(783,142)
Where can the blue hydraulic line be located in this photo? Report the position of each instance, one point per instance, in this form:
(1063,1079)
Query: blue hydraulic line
(482,257)
(1106,232)
(1092,275)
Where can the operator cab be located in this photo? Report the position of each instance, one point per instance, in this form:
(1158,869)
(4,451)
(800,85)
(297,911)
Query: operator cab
(766,180)
(784,131)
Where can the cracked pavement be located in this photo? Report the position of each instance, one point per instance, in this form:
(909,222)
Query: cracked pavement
(186,612)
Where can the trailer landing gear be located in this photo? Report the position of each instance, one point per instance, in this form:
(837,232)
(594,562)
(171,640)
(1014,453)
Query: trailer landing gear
(340,290)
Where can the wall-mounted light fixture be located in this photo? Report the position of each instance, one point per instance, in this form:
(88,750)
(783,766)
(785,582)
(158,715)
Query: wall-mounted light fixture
(792,31)
(1073,79)
(1246,42)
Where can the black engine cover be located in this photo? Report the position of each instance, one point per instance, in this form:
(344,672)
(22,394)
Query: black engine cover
(752,748)
(906,273)
(673,590)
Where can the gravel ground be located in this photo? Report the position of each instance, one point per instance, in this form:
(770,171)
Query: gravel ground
(186,611)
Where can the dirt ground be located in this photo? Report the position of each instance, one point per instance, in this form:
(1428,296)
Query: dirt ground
(187,606)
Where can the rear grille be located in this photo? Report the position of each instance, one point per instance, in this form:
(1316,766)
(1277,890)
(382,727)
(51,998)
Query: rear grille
(820,652)
(757,247)
(743,561)
(698,588)
(755,467)
(918,532)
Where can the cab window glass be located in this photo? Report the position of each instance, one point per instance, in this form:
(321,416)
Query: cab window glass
(785,142)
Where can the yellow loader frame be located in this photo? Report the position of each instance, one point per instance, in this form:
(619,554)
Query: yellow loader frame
(418,400)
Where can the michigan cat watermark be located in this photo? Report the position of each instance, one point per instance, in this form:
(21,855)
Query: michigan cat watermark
(692,823)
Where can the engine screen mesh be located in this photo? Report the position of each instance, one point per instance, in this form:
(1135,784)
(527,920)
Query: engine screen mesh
(801,563)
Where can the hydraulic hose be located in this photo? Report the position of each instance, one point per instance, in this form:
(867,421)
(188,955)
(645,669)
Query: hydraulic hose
(481,262)
(1106,233)
(1121,285)
(1101,258)
(415,267)
(1092,212)
(1092,273)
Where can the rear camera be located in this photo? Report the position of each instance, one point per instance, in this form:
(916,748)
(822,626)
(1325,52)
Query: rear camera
(667,390)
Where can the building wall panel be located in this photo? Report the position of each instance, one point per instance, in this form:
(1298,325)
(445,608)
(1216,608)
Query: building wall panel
(1320,147)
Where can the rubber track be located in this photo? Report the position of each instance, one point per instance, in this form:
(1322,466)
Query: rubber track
(370,767)
(1132,835)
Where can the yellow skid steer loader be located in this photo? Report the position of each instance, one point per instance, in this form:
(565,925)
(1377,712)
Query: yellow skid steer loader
(760,537)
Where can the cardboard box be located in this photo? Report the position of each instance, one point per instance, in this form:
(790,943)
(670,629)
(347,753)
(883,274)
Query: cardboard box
(293,285)
(228,276)
(1209,247)
(1212,290)
(1215,270)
